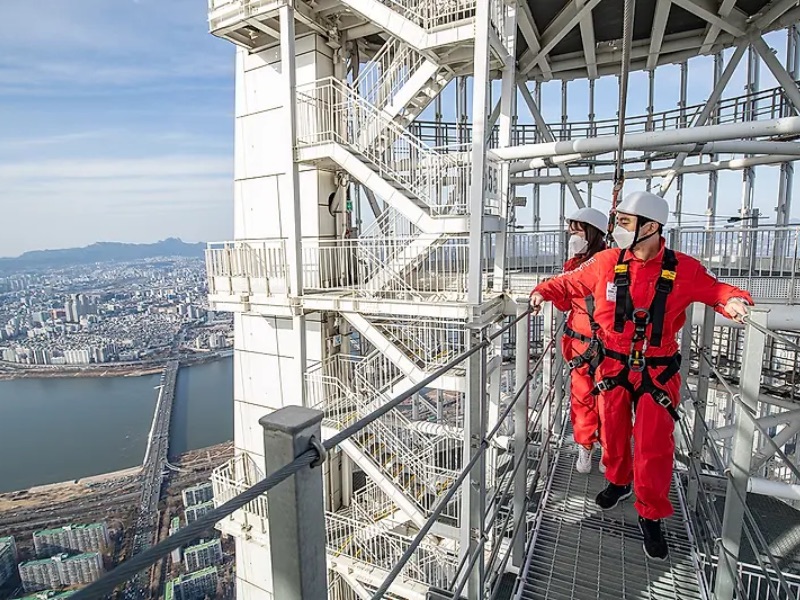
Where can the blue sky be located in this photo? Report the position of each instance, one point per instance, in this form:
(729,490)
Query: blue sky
(116,124)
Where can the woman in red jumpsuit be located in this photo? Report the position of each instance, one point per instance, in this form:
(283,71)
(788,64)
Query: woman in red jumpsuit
(587,238)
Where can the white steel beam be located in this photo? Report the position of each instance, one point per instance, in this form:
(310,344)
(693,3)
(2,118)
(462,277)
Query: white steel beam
(291,190)
(657,33)
(707,167)
(588,40)
(713,31)
(708,109)
(778,71)
(564,22)
(735,23)
(473,501)
(653,140)
(529,31)
(774,11)
(507,112)
(548,135)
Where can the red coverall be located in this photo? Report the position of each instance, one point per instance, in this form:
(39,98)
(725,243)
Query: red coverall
(650,467)
(583,411)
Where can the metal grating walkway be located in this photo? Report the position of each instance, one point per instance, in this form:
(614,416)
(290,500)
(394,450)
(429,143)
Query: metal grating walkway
(579,552)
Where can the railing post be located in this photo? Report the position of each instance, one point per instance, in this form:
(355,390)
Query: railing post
(523,346)
(548,364)
(297,526)
(704,371)
(739,467)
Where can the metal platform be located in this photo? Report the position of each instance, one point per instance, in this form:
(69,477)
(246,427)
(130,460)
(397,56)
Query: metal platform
(579,552)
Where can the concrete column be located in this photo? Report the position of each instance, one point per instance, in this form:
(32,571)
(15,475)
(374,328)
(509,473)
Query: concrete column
(298,565)
(742,456)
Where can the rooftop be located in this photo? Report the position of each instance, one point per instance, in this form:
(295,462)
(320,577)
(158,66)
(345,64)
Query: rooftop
(68,528)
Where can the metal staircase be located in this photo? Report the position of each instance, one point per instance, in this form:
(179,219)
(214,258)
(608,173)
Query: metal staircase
(396,457)
(401,81)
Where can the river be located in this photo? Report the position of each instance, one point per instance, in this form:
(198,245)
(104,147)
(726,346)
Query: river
(55,430)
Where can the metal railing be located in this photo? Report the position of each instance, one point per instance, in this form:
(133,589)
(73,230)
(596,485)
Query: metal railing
(763,260)
(388,71)
(770,104)
(422,265)
(247,267)
(721,562)
(330,111)
(415,552)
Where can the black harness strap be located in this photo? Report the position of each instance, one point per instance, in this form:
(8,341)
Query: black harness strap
(594,353)
(622,282)
(648,386)
(636,361)
(623,309)
(664,286)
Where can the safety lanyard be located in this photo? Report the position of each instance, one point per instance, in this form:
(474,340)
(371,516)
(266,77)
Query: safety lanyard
(642,317)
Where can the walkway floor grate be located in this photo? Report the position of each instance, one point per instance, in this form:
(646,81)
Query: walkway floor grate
(580,552)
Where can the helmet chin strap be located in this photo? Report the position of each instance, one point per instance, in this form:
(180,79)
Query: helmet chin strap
(636,238)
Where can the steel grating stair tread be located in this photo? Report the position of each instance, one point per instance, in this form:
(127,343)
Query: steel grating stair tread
(580,552)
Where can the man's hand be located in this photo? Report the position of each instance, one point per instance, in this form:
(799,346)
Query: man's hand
(536,302)
(736,309)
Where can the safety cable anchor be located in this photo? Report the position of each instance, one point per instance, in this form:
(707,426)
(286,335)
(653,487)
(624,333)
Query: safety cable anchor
(321,451)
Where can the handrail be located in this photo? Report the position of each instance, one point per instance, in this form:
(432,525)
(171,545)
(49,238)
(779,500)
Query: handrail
(746,410)
(772,334)
(309,458)
(726,111)
(751,522)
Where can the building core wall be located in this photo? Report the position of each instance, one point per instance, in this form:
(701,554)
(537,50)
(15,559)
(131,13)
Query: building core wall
(266,348)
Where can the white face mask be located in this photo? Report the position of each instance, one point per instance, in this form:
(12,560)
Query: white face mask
(577,245)
(623,237)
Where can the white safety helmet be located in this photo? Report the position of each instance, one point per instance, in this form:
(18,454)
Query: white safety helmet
(647,205)
(592,216)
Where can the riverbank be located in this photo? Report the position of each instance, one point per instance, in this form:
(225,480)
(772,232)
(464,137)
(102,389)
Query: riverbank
(10,371)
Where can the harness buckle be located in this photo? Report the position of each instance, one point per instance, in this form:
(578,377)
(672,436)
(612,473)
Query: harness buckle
(641,316)
(661,397)
(606,384)
(576,362)
(636,361)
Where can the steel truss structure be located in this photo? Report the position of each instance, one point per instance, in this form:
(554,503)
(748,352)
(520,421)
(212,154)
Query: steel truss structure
(379,235)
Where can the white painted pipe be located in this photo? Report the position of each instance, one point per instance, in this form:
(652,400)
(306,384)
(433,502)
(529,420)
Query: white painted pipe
(782,317)
(774,489)
(653,139)
(781,149)
(737,147)
(783,418)
(543,163)
(706,167)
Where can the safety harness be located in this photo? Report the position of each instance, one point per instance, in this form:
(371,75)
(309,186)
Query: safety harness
(636,361)
(593,355)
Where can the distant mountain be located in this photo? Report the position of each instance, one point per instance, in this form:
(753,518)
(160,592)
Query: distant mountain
(100,252)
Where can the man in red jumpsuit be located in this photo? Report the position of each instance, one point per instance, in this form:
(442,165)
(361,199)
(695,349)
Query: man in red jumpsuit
(641,292)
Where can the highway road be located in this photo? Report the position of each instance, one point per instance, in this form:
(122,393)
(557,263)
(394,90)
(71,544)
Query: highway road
(154,471)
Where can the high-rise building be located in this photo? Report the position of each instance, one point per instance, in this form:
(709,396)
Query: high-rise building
(71,538)
(8,558)
(60,570)
(49,595)
(198,510)
(203,555)
(174,526)
(194,586)
(197,494)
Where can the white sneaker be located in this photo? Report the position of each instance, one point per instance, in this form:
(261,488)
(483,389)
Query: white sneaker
(601,466)
(584,462)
